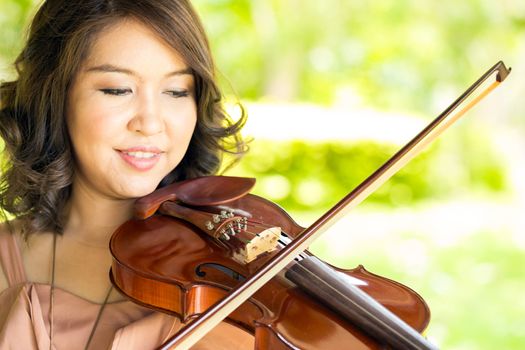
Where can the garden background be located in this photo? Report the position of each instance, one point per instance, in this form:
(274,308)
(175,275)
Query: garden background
(332,88)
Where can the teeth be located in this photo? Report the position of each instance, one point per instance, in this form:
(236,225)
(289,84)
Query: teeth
(141,154)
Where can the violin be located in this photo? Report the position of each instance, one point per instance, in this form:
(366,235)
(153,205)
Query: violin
(214,251)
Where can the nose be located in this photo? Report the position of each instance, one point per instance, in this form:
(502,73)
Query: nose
(147,118)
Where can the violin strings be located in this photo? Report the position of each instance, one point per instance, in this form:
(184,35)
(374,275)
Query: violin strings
(250,221)
(260,224)
(351,301)
(246,241)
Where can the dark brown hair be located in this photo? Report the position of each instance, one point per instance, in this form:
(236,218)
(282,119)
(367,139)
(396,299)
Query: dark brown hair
(37,168)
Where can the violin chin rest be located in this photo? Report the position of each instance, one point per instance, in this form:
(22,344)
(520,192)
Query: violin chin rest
(214,190)
(201,191)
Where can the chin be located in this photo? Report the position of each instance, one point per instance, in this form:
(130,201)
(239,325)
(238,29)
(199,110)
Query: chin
(137,190)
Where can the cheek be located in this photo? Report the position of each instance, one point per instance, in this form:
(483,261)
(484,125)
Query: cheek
(91,135)
(180,131)
(92,120)
(89,106)
(85,135)
(181,127)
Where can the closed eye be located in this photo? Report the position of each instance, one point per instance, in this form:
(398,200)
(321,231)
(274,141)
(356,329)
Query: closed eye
(116,92)
(178,93)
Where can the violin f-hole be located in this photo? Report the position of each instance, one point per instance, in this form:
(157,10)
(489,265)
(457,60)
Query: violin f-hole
(234,275)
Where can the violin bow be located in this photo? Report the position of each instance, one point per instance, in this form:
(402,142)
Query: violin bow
(196,329)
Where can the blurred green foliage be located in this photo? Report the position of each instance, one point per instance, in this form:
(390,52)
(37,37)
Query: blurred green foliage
(302,175)
(13,19)
(473,286)
(395,54)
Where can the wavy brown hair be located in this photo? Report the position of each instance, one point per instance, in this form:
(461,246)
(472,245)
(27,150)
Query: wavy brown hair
(37,169)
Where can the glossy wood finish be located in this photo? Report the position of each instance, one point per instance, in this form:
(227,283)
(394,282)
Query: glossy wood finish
(280,314)
(336,291)
(200,191)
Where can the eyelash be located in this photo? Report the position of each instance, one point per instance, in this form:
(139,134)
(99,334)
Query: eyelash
(115,92)
(122,92)
(179,93)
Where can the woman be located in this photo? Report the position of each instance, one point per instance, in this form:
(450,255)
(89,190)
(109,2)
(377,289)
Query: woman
(113,99)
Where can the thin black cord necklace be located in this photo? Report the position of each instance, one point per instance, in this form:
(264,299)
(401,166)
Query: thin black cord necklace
(52,302)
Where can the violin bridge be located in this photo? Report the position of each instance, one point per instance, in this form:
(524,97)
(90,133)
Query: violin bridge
(263,242)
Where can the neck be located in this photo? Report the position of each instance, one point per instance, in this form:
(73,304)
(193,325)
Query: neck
(91,218)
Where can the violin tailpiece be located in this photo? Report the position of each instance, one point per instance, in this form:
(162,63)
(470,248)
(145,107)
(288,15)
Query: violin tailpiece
(246,240)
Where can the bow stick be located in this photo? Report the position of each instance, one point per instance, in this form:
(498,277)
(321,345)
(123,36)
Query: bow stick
(196,329)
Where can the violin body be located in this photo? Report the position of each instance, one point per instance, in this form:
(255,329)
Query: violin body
(171,265)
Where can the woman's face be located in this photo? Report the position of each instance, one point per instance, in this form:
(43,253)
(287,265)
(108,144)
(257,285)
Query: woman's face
(131,112)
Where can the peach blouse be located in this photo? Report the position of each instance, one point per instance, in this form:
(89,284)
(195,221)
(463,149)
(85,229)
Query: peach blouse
(24,318)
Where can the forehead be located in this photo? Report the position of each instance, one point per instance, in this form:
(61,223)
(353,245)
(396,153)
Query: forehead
(131,44)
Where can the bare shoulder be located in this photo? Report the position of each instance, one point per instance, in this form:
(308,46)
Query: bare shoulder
(34,253)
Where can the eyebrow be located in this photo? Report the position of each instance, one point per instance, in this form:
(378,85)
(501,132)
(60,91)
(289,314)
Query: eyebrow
(109,68)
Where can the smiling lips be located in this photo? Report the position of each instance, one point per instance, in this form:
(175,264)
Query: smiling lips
(141,158)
